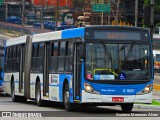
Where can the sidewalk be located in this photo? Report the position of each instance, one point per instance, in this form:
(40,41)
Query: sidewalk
(156,96)
(154,107)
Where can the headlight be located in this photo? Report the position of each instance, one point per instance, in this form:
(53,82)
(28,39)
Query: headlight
(88,88)
(146,90)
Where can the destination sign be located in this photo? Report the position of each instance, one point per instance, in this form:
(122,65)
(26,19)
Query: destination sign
(120,35)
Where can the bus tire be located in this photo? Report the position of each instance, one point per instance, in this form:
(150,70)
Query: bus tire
(68,106)
(39,102)
(14,97)
(127,107)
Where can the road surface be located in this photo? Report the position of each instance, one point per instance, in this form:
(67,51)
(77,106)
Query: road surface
(81,113)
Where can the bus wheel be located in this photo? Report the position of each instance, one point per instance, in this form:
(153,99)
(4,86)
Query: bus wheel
(39,102)
(14,97)
(68,106)
(127,107)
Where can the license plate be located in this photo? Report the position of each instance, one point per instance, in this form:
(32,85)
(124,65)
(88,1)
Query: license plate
(117,99)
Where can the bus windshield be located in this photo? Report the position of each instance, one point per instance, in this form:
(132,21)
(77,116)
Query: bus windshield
(117,61)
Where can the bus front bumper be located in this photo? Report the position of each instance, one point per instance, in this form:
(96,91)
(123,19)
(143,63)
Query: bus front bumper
(96,98)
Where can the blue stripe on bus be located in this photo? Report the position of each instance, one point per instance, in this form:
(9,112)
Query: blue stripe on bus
(111,89)
(73,33)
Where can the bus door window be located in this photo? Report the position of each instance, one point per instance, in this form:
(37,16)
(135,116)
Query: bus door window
(54,55)
(39,60)
(69,57)
(34,55)
(10,59)
(6,60)
(61,56)
(14,58)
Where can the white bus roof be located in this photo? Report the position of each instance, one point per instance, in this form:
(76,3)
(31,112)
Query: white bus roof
(55,35)
(36,38)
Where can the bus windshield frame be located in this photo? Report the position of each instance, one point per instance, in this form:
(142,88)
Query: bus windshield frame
(126,54)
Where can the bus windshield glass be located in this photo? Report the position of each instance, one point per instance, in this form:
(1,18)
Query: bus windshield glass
(117,61)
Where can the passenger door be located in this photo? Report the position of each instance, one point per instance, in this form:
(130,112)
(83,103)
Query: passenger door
(46,69)
(20,60)
(77,70)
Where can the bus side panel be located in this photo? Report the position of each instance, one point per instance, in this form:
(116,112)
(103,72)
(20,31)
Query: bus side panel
(7,83)
(56,86)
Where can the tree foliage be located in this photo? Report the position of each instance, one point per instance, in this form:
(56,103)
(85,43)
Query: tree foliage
(156,4)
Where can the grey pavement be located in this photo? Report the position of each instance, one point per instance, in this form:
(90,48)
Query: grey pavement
(157,78)
(143,106)
(156,96)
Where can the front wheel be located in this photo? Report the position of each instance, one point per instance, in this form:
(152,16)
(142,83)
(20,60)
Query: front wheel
(127,107)
(68,106)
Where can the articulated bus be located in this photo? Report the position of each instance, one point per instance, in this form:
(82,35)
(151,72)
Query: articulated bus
(91,66)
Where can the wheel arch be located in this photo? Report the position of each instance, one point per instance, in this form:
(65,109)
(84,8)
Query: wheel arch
(64,84)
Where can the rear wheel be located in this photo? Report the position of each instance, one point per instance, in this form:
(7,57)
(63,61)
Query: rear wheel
(39,102)
(16,98)
(127,107)
(68,106)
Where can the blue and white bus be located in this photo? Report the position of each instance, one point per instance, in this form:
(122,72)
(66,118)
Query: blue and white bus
(2,49)
(94,65)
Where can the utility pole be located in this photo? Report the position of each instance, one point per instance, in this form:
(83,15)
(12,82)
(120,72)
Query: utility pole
(117,12)
(136,12)
(152,17)
(6,9)
(46,8)
(109,14)
(56,15)
(23,9)
(41,13)
(102,14)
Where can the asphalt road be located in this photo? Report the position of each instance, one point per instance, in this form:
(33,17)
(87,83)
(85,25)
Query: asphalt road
(52,110)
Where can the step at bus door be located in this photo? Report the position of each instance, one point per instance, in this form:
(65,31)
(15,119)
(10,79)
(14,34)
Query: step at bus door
(46,69)
(77,71)
(21,51)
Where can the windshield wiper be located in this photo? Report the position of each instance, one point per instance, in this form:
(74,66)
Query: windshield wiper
(106,50)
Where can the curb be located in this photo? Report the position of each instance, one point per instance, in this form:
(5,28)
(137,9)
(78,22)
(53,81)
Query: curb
(147,106)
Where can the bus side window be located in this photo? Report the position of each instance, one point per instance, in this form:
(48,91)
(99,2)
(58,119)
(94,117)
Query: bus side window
(69,57)
(10,59)
(6,58)
(14,58)
(34,56)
